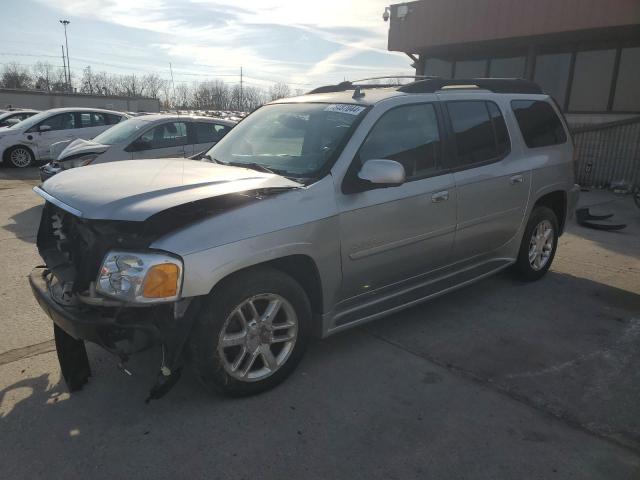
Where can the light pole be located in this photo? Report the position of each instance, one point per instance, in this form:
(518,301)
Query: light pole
(64,24)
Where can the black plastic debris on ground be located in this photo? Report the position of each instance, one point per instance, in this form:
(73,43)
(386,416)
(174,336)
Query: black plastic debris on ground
(586,219)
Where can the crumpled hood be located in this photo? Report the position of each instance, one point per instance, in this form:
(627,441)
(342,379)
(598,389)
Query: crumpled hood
(80,146)
(136,189)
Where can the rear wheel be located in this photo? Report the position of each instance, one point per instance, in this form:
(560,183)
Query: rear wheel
(20,157)
(539,244)
(252,332)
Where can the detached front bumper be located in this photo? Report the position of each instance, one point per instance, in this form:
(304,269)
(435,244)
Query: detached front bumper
(80,325)
(140,327)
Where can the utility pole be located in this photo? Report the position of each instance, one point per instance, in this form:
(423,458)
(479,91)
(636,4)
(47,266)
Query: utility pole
(241,100)
(64,64)
(64,24)
(173,86)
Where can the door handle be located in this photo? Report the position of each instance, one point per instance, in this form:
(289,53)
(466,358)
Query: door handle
(516,179)
(440,196)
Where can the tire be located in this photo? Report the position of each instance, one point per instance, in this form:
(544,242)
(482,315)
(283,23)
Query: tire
(19,157)
(247,341)
(530,267)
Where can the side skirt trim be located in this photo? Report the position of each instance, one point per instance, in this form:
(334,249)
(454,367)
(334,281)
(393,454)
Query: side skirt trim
(414,295)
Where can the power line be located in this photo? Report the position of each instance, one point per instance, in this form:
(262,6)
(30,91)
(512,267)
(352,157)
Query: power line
(138,69)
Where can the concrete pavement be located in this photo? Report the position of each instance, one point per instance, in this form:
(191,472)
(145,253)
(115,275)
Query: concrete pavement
(497,380)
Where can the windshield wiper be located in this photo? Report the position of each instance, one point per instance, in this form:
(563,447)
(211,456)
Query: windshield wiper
(257,166)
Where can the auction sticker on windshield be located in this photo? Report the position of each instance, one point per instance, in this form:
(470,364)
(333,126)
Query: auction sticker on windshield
(345,108)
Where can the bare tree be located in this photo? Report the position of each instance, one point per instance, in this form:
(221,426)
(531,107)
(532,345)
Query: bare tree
(88,84)
(152,84)
(220,95)
(16,76)
(47,77)
(183,96)
(129,85)
(279,90)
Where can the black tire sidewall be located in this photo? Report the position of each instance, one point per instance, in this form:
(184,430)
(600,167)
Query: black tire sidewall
(224,298)
(523,268)
(10,150)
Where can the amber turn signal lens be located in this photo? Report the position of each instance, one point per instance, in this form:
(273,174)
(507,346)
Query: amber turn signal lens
(161,281)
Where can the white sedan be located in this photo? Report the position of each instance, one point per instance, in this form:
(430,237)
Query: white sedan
(8,119)
(30,140)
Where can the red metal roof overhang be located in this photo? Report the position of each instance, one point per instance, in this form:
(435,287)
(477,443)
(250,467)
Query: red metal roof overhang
(438,25)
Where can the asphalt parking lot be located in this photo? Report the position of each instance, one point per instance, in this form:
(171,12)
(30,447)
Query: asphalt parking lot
(497,380)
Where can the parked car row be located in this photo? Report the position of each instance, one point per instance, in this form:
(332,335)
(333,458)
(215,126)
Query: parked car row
(68,137)
(148,136)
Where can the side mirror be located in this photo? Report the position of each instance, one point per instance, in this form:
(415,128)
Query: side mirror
(13,121)
(44,128)
(383,173)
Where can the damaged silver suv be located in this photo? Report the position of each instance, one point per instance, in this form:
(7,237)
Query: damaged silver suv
(313,215)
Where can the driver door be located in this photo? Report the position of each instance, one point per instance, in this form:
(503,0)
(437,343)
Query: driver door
(390,234)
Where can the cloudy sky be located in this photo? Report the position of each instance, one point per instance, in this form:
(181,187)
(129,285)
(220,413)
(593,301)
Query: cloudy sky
(304,43)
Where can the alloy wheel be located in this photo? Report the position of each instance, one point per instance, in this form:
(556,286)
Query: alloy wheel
(258,337)
(20,157)
(541,245)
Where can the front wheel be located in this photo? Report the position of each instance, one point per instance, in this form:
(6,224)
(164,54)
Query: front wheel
(251,333)
(20,157)
(538,246)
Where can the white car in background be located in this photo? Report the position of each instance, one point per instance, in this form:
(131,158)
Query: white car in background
(30,140)
(143,137)
(8,119)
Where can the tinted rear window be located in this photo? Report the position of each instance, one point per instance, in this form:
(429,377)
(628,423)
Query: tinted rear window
(539,123)
(210,132)
(480,131)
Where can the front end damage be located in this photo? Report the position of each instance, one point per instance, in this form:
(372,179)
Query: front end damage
(73,249)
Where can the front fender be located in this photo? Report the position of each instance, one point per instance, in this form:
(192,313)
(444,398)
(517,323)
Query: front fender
(203,270)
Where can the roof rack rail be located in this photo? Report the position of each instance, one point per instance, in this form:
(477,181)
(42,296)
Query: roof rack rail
(434,84)
(351,85)
(496,85)
(344,86)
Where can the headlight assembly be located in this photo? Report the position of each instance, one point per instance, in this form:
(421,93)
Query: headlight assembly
(140,277)
(78,162)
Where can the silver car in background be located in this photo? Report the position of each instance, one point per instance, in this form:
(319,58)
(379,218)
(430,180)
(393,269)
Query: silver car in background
(142,137)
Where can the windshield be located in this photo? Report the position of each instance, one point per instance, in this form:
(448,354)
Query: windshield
(31,121)
(293,139)
(121,131)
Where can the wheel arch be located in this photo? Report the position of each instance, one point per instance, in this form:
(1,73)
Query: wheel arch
(555,200)
(299,266)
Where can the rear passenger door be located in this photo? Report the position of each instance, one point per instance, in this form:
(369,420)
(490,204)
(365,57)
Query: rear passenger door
(207,134)
(162,141)
(492,178)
